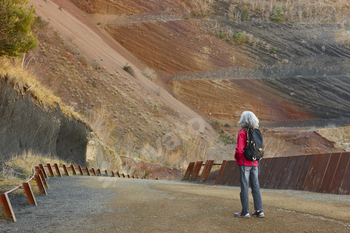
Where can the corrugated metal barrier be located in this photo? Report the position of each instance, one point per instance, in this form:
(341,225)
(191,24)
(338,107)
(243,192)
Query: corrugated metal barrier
(324,173)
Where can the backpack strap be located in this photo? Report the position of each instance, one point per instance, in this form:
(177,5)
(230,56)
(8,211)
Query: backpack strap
(247,134)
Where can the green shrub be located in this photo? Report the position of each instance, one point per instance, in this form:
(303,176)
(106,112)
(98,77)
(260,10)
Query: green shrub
(240,38)
(16,35)
(222,35)
(226,139)
(277,15)
(245,14)
(128,69)
(274,50)
(216,124)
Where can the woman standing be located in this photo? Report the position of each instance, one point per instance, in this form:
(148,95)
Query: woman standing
(248,170)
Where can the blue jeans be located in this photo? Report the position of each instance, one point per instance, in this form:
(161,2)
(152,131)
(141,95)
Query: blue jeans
(249,175)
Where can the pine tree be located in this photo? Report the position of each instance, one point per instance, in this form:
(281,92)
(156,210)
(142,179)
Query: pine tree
(16,37)
(277,14)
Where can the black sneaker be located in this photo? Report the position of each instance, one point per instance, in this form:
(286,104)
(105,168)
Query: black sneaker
(258,214)
(240,215)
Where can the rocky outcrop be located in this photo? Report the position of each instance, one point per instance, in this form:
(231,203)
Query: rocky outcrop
(27,125)
(102,156)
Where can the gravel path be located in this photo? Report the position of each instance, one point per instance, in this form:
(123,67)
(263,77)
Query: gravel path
(106,204)
(67,198)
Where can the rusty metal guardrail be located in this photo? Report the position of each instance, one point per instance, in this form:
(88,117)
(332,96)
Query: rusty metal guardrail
(324,173)
(5,201)
(40,176)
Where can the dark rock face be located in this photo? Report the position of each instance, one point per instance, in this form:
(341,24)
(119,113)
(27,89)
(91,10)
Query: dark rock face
(26,127)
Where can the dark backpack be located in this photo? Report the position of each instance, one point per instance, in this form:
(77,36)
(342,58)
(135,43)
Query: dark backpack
(254,149)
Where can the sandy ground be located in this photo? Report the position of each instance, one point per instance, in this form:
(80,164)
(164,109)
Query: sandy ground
(106,204)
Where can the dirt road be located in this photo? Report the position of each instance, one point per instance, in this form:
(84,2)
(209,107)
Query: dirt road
(106,204)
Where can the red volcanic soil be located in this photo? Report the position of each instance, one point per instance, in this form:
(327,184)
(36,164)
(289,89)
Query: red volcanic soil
(129,7)
(227,99)
(174,46)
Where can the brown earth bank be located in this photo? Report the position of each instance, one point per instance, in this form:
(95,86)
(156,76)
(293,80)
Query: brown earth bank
(106,204)
(141,169)
(29,125)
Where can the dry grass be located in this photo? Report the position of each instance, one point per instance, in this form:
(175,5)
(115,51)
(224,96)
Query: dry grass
(316,11)
(25,83)
(234,13)
(128,144)
(150,74)
(275,147)
(176,89)
(201,7)
(100,119)
(19,169)
(175,148)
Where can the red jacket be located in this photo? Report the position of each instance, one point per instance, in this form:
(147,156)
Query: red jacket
(239,156)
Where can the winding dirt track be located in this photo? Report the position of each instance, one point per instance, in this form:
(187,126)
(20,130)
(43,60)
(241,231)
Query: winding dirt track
(106,204)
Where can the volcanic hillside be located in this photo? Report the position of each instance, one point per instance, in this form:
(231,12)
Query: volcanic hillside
(291,74)
(308,64)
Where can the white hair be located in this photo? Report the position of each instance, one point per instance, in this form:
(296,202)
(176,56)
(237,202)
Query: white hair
(248,119)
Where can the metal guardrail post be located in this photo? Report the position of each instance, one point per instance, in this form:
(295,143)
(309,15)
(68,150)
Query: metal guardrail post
(40,173)
(228,172)
(93,171)
(123,175)
(73,169)
(99,172)
(7,207)
(58,172)
(80,170)
(40,184)
(112,174)
(196,169)
(87,171)
(206,170)
(29,193)
(50,169)
(43,171)
(339,173)
(188,171)
(221,172)
(329,175)
(344,187)
(118,174)
(303,172)
(106,172)
(65,170)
